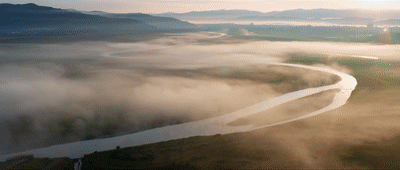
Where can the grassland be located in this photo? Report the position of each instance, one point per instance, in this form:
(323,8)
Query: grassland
(361,134)
(364,133)
(288,110)
(48,39)
(306,33)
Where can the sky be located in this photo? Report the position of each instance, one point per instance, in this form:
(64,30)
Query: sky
(181,6)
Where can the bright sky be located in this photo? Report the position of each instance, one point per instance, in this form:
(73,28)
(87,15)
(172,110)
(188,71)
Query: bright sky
(180,6)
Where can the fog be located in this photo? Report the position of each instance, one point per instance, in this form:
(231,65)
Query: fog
(57,93)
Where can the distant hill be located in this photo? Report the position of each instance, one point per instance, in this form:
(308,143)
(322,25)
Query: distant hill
(31,19)
(314,13)
(214,15)
(350,20)
(337,14)
(348,16)
(389,22)
(160,22)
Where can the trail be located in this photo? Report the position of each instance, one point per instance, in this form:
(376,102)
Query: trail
(212,126)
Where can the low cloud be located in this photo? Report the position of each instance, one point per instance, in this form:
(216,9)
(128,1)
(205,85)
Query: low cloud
(52,94)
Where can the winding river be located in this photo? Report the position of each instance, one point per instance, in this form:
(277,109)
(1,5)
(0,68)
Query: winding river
(212,126)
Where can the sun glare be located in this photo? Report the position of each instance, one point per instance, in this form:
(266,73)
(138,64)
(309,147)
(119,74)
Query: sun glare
(376,4)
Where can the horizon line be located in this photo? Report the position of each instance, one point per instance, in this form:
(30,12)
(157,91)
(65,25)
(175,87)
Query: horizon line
(238,9)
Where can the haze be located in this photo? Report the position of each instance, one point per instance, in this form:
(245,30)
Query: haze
(281,92)
(181,6)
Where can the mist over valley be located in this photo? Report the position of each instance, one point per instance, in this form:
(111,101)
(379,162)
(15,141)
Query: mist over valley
(300,88)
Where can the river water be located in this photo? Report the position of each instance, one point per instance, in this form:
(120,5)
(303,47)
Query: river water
(206,127)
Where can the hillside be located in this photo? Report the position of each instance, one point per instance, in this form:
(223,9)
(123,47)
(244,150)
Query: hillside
(33,20)
(159,22)
(213,15)
(350,16)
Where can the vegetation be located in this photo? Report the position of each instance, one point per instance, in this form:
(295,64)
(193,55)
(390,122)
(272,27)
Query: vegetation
(209,152)
(272,147)
(34,164)
(361,134)
(376,155)
(306,59)
(240,150)
(73,38)
(288,110)
(308,33)
(373,74)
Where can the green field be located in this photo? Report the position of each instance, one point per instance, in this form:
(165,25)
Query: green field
(263,148)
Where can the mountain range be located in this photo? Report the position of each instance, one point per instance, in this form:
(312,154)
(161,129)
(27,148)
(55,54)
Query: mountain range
(213,15)
(354,16)
(32,19)
(160,22)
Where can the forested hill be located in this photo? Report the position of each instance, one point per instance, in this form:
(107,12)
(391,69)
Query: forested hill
(32,20)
